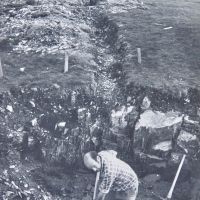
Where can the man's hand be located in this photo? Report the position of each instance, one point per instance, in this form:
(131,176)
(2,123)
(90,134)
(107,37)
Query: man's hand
(101,196)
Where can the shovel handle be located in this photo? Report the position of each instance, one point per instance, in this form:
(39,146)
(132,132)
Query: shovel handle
(169,195)
(96,185)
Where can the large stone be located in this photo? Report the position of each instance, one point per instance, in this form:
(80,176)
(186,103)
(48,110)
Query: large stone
(155,127)
(157,119)
(186,137)
(165,146)
(188,141)
(119,118)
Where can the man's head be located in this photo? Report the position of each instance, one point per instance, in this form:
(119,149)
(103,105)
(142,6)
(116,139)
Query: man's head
(91,161)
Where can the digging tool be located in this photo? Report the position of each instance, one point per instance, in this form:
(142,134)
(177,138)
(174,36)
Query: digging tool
(169,195)
(111,152)
(96,185)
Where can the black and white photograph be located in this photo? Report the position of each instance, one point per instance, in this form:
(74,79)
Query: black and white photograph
(99,99)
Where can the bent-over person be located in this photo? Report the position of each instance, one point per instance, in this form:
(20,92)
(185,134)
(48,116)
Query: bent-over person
(117,178)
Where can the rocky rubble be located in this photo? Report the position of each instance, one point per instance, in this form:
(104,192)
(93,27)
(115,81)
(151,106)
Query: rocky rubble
(44,27)
(47,124)
(37,131)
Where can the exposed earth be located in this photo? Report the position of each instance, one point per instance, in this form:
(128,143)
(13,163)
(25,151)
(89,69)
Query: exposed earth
(149,112)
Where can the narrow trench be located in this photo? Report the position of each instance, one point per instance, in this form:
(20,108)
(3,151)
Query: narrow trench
(109,32)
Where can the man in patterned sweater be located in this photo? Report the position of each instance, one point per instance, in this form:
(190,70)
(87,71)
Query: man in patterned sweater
(116,177)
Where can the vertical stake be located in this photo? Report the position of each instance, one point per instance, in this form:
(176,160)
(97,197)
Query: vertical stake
(1,69)
(139,55)
(66,66)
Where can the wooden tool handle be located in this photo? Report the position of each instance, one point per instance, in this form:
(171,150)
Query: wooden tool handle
(169,195)
(96,185)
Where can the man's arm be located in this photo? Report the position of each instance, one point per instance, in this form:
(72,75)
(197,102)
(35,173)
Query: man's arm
(106,184)
(108,177)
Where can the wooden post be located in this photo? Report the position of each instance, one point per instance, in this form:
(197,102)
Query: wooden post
(66,66)
(1,70)
(139,55)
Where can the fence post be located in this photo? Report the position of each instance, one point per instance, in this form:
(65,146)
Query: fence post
(1,69)
(139,55)
(66,66)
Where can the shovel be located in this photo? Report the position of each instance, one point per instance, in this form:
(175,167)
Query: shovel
(169,195)
(96,185)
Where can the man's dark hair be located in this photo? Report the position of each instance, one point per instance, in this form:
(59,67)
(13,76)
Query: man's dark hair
(93,155)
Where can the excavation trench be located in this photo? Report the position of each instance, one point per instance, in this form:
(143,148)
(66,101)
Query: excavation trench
(46,130)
